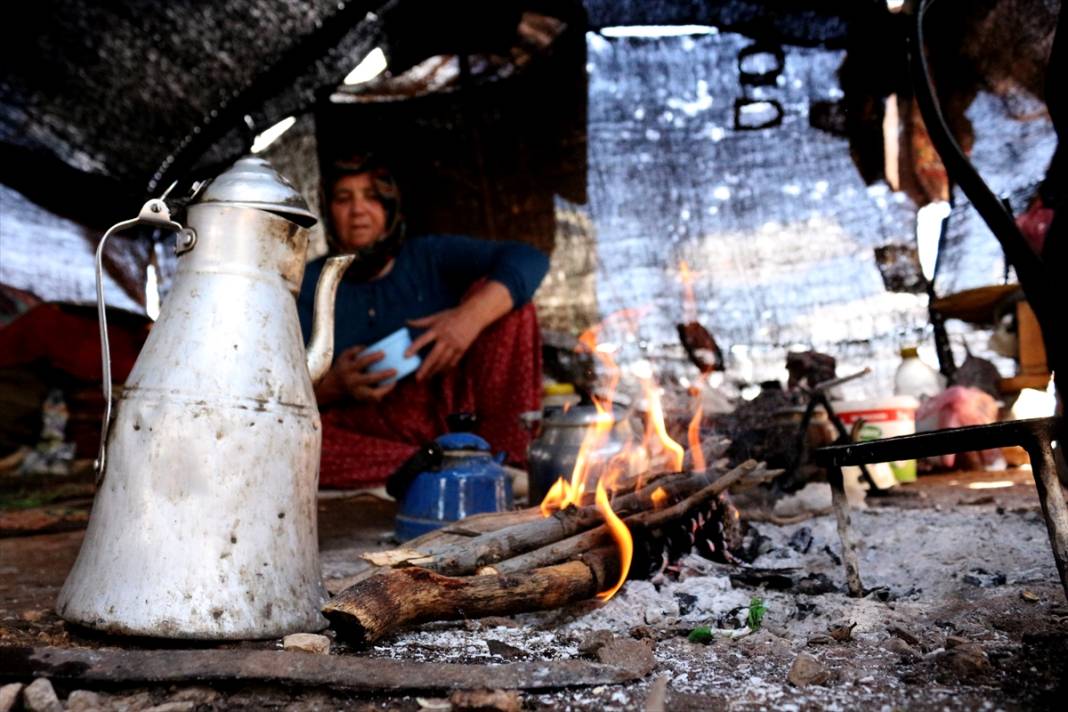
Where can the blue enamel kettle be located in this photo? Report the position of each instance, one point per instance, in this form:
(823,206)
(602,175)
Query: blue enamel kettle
(462,477)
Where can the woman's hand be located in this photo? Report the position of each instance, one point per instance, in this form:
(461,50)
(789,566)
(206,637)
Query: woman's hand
(349,376)
(452,332)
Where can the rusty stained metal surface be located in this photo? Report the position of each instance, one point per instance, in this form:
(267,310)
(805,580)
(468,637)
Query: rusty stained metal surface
(298,668)
(213,455)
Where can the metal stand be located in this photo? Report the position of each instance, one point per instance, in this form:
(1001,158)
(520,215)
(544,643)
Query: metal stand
(1035,436)
(817,398)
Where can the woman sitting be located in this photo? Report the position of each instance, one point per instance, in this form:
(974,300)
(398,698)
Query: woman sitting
(467,302)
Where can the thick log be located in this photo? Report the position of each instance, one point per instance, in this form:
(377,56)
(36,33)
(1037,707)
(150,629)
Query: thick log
(434,542)
(76,667)
(382,604)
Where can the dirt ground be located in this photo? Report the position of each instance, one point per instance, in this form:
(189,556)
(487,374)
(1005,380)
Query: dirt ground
(965,612)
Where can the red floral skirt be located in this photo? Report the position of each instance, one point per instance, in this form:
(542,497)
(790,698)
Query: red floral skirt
(498,378)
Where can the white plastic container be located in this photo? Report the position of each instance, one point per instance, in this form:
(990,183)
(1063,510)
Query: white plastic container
(883,418)
(915,378)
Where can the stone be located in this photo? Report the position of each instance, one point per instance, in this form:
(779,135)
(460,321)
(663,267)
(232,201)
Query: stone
(136,702)
(905,635)
(842,632)
(39,696)
(644,632)
(173,707)
(633,655)
(198,695)
(765,642)
(966,661)
(594,641)
(84,701)
(9,694)
(307,643)
(806,670)
(486,700)
(504,650)
(900,647)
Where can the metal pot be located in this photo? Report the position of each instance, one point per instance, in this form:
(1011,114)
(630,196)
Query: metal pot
(553,453)
(204,523)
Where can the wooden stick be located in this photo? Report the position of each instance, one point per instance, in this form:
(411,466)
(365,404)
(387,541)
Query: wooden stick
(382,604)
(840,504)
(432,543)
(104,667)
(566,548)
(761,515)
(458,535)
(483,550)
(655,517)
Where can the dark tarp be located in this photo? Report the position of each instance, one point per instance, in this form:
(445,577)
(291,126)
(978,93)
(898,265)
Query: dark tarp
(112,101)
(95,100)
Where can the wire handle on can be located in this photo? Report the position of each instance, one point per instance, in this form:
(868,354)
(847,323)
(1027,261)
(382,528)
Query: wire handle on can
(156,214)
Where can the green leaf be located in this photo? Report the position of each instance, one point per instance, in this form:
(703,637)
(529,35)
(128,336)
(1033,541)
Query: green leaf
(700,635)
(757,609)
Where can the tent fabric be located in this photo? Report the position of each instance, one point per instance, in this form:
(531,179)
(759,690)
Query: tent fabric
(115,100)
(780,230)
(814,23)
(119,99)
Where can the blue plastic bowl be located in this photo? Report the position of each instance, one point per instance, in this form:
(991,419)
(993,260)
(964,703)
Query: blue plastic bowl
(392,348)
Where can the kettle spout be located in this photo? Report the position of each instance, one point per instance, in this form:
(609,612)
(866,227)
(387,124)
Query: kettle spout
(321,346)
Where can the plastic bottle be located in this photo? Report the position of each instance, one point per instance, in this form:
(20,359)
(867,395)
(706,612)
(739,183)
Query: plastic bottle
(915,378)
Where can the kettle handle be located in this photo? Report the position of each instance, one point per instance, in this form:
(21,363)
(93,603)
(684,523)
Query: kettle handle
(155,213)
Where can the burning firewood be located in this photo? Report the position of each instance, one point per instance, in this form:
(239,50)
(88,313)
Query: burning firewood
(382,604)
(531,564)
(486,549)
(561,551)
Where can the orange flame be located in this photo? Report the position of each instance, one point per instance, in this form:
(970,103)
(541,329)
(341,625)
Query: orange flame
(655,424)
(565,493)
(596,436)
(589,465)
(689,303)
(558,497)
(693,434)
(659,496)
(620,534)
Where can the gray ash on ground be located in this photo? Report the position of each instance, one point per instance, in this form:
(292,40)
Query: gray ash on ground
(928,638)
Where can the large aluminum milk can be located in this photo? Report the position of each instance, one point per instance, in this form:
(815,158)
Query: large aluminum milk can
(204,523)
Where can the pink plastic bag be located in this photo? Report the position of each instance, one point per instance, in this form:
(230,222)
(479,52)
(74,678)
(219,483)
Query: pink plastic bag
(957,407)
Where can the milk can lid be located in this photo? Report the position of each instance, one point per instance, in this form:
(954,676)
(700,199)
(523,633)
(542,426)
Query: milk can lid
(253,183)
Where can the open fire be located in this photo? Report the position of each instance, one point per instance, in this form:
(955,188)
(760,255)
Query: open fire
(657,453)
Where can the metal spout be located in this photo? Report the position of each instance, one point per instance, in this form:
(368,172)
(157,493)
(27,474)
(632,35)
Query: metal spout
(321,346)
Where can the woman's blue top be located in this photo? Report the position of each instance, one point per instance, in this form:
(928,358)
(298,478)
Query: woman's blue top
(430,274)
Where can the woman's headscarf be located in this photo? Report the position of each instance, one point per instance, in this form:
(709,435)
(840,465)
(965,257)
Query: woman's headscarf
(370,259)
